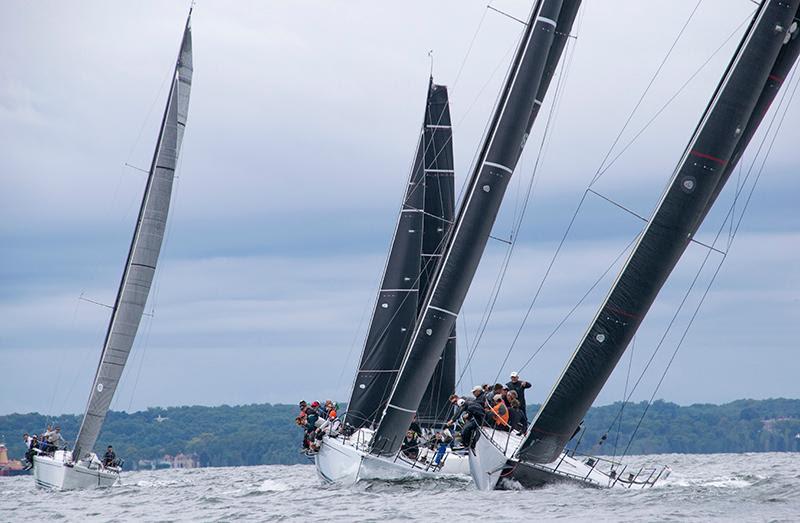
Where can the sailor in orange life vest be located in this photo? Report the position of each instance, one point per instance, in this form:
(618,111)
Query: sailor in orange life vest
(499,413)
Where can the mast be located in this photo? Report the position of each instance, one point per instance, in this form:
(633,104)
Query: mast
(526,83)
(437,221)
(140,266)
(765,55)
(418,232)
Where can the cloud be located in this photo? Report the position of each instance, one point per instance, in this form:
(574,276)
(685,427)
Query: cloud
(302,125)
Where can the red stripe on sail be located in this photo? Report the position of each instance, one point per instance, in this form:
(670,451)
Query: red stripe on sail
(708,157)
(621,312)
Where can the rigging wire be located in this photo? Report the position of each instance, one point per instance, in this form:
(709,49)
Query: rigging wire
(669,101)
(411,169)
(466,366)
(471,44)
(624,395)
(158,279)
(425,144)
(111,209)
(517,226)
(356,338)
(646,90)
(580,301)
(597,177)
(719,233)
(458,123)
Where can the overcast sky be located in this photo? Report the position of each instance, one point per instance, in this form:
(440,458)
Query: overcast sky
(302,125)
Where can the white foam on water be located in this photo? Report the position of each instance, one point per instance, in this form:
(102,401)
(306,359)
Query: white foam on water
(729,483)
(272,485)
(718,482)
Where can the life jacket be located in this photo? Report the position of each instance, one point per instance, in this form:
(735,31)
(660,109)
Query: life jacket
(500,413)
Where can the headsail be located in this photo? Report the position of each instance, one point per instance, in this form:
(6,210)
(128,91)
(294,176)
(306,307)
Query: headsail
(143,255)
(412,257)
(525,86)
(766,54)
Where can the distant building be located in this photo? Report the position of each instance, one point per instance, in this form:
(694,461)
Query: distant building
(179,461)
(185,461)
(9,467)
(770,424)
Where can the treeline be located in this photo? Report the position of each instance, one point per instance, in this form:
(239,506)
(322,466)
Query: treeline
(219,436)
(265,434)
(771,425)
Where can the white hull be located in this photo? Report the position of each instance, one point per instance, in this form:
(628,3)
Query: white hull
(493,466)
(345,461)
(53,472)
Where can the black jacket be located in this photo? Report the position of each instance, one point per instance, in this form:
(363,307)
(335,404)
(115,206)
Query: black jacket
(472,407)
(520,390)
(517,419)
(475,410)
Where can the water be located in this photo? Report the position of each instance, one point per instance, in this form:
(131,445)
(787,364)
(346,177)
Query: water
(741,487)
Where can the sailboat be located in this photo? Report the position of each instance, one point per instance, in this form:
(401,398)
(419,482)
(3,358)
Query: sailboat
(81,468)
(767,52)
(375,453)
(422,228)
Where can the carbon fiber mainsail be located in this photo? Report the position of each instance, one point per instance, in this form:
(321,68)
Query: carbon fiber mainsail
(525,86)
(438,217)
(424,222)
(140,266)
(765,55)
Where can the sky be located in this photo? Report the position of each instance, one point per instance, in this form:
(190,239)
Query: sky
(302,126)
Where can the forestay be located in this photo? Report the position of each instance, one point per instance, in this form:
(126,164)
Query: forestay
(766,54)
(522,94)
(140,266)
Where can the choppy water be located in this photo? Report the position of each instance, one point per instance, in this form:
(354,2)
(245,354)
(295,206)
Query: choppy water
(740,487)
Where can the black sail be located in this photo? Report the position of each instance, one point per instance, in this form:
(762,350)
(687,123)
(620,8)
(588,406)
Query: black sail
(749,85)
(402,284)
(438,217)
(513,117)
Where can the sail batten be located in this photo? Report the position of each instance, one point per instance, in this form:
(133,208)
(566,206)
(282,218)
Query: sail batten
(137,277)
(506,134)
(728,123)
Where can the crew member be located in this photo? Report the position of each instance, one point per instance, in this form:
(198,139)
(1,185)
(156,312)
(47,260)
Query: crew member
(410,445)
(109,458)
(519,387)
(499,413)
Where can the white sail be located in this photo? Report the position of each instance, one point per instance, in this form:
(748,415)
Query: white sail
(145,247)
